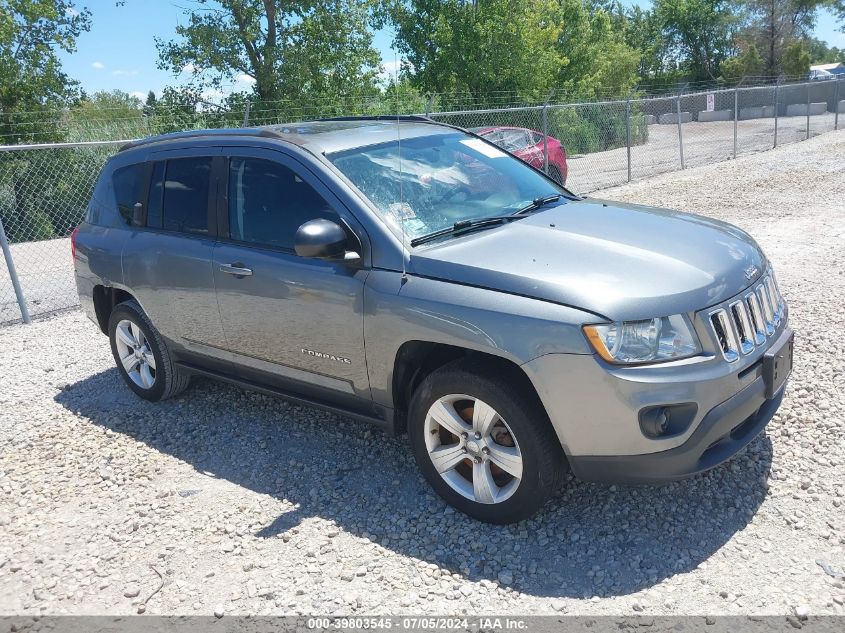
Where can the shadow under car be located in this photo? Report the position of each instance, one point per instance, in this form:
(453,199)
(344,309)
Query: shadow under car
(590,540)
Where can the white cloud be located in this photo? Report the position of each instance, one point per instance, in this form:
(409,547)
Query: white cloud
(70,11)
(212,94)
(243,78)
(98,65)
(391,68)
(189,68)
(139,95)
(124,73)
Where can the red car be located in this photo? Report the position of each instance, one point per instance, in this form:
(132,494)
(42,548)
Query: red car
(528,145)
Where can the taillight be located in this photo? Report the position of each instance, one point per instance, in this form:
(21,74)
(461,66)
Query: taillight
(73,243)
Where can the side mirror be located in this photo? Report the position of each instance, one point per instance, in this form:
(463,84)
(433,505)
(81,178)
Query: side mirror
(321,239)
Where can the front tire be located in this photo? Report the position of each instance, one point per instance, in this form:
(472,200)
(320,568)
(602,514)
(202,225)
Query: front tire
(484,445)
(141,354)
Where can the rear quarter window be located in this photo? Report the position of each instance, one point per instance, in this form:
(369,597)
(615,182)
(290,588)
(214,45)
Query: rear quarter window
(128,189)
(101,203)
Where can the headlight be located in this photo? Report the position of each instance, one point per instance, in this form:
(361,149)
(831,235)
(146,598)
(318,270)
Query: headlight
(648,341)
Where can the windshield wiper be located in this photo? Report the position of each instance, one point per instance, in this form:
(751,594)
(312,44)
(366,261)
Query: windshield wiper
(538,203)
(465,226)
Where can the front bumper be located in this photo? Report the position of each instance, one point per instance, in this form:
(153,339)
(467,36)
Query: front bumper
(724,431)
(594,408)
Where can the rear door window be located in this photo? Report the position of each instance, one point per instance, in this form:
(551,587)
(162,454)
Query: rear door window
(185,195)
(128,188)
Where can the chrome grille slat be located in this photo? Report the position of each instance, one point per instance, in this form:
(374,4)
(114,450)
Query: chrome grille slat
(739,315)
(756,318)
(763,296)
(773,300)
(725,334)
(748,322)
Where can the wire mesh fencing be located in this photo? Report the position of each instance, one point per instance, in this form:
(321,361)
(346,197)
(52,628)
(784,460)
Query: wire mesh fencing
(44,189)
(44,192)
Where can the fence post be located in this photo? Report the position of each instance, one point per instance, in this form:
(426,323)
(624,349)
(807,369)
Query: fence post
(13,274)
(736,116)
(777,85)
(680,130)
(808,109)
(546,137)
(836,104)
(246,115)
(628,132)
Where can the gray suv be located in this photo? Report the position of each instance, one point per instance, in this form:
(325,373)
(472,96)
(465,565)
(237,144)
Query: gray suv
(416,276)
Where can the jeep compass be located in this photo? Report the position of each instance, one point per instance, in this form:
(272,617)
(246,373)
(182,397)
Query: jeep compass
(421,278)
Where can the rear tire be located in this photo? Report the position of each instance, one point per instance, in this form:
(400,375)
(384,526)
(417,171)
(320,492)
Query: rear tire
(485,446)
(141,354)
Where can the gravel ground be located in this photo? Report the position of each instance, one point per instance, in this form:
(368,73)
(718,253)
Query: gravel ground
(230,502)
(45,272)
(704,143)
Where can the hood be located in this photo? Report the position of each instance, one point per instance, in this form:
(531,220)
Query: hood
(620,261)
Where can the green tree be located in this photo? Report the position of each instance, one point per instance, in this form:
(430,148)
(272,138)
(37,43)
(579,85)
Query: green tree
(32,82)
(777,24)
(644,33)
(699,33)
(106,115)
(290,50)
(597,60)
(821,53)
(748,64)
(483,48)
(796,60)
(106,107)
(33,89)
(177,109)
(150,104)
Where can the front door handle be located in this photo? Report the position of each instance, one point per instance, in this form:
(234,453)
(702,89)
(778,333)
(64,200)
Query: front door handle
(237,269)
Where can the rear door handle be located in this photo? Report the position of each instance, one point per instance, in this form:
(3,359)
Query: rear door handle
(237,269)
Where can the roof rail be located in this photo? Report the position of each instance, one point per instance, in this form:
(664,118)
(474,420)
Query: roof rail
(382,117)
(199,133)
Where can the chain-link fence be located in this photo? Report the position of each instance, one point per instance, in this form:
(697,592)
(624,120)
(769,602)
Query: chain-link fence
(44,189)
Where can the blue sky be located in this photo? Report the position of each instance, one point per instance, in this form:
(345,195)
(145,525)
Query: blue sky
(119,52)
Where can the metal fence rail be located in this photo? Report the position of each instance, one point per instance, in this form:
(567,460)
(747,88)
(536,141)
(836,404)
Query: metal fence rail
(44,189)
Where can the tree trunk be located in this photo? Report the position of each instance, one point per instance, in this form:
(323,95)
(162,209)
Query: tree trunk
(770,62)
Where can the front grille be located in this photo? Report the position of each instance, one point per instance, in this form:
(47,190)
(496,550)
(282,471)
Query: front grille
(748,321)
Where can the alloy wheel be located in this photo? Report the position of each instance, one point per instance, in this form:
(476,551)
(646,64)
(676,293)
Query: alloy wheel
(135,354)
(473,449)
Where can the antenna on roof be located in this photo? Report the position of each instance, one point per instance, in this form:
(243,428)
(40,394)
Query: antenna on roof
(401,206)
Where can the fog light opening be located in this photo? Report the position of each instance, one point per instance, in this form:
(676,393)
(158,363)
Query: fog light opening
(661,421)
(654,422)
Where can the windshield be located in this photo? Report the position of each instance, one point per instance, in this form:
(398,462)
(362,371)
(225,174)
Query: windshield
(511,139)
(444,178)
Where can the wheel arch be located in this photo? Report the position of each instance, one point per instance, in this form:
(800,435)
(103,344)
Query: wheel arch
(415,360)
(105,299)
